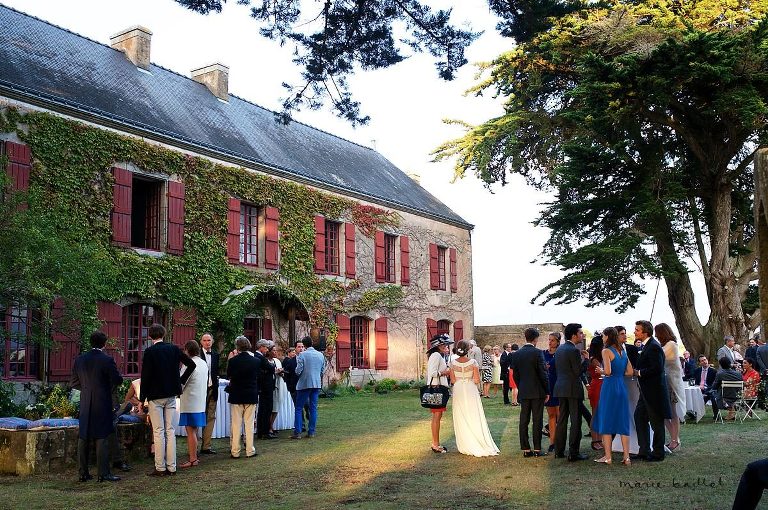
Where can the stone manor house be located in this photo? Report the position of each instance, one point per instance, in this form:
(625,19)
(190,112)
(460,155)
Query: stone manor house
(213,216)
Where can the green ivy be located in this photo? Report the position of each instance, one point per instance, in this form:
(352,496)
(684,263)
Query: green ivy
(71,195)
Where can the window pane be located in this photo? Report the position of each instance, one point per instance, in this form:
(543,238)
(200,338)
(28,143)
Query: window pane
(389,258)
(332,247)
(249,234)
(358,336)
(441,267)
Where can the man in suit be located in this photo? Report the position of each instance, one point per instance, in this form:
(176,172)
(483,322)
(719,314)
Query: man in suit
(689,366)
(160,385)
(653,406)
(569,390)
(704,377)
(309,368)
(751,351)
(504,361)
(266,381)
(726,351)
(243,373)
(762,358)
(720,398)
(95,375)
(753,482)
(211,357)
(533,391)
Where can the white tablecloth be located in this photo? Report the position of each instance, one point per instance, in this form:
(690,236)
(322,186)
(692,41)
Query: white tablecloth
(694,401)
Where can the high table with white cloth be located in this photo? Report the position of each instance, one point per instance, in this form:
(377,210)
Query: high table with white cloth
(694,401)
(222,425)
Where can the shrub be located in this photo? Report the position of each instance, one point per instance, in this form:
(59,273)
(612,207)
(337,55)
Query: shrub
(7,405)
(59,404)
(386,385)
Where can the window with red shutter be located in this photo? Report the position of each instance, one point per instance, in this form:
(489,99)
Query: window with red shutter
(253,329)
(233,230)
(146,195)
(431,329)
(111,318)
(19,354)
(434,272)
(272,236)
(349,250)
(175,218)
(380,262)
(319,244)
(358,341)
(19,166)
(332,265)
(382,343)
(184,325)
(389,258)
(266,329)
(405,261)
(248,243)
(343,343)
(440,268)
(121,208)
(132,332)
(65,345)
(443,327)
(454,278)
(458,331)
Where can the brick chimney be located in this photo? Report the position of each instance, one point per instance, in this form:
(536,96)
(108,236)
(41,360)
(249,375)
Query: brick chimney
(215,77)
(135,43)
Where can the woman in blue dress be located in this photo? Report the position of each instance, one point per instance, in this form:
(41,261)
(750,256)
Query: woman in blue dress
(553,404)
(612,415)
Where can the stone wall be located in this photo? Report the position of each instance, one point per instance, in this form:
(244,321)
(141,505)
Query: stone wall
(31,452)
(513,333)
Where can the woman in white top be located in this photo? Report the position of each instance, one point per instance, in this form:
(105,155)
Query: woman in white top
(469,424)
(282,403)
(674,374)
(192,402)
(437,372)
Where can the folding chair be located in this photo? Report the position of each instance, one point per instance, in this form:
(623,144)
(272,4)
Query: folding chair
(730,394)
(747,408)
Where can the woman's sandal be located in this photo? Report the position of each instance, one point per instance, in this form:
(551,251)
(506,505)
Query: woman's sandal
(627,462)
(603,460)
(439,449)
(189,464)
(599,445)
(677,445)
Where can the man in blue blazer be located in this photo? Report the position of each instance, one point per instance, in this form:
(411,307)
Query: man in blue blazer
(310,365)
(95,375)
(653,406)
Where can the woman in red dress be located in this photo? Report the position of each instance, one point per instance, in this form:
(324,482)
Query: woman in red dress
(595,382)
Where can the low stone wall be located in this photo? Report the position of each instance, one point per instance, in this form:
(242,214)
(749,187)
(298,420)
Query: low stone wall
(28,452)
(513,333)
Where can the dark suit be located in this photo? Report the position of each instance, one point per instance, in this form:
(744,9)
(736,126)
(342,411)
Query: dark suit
(753,482)
(504,361)
(653,406)
(711,374)
(242,372)
(533,387)
(211,397)
(95,375)
(289,374)
(160,371)
(266,377)
(689,367)
(569,390)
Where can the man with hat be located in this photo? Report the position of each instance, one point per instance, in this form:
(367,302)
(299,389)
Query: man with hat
(437,375)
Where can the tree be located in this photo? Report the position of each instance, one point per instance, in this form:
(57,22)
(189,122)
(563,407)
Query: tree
(339,35)
(644,118)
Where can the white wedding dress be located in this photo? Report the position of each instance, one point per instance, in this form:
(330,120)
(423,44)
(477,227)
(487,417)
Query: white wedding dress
(469,425)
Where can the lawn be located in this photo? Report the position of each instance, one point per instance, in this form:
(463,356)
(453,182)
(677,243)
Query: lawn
(372,451)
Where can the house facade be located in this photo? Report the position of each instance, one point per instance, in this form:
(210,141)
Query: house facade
(170,200)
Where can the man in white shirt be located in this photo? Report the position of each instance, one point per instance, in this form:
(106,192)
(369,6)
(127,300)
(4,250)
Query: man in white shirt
(211,357)
(726,351)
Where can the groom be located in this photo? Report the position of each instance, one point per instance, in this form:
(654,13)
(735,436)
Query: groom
(653,406)
(569,390)
(533,391)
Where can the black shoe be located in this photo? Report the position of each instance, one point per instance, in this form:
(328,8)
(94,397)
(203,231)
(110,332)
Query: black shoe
(208,451)
(170,473)
(122,466)
(637,456)
(651,458)
(86,477)
(577,457)
(588,434)
(155,472)
(529,453)
(268,437)
(559,455)
(272,435)
(109,478)
(296,436)
(551,448)
(537,453)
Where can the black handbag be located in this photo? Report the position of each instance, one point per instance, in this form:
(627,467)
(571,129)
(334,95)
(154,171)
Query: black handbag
(434,397)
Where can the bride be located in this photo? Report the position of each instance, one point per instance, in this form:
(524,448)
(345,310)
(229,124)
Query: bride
(469,425)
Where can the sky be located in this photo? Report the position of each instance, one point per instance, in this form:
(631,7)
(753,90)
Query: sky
(407,104)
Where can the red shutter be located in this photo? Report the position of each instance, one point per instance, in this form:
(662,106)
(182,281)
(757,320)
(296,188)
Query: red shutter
(382,343)
(266,329)
(66,345)
(431,329)
(233,231)
(319,244)
(343,343)
(184,325)
(349,250)
(458,331)
(454,282)
(434,271)
(405,261)
(111,317)
(271,260)
(121,208)
(19,166)
(176,217)
(379,254)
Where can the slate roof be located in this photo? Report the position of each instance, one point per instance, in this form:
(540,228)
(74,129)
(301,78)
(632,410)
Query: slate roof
(52,67)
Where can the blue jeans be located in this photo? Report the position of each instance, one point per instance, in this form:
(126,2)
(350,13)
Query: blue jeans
(302,397)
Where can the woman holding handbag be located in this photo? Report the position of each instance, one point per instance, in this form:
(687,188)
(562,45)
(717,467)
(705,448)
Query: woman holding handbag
(437,372)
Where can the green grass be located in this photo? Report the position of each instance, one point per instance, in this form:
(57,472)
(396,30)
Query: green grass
(372,451)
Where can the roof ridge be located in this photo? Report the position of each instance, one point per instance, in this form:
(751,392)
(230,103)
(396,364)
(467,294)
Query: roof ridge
(183,76)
